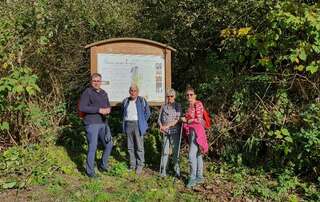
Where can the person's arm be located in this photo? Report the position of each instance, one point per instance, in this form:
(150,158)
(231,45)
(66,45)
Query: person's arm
(160,116)
(147,112)
(108,104)
(162,127)
(179,111)
(123,106)
(84,104)
(186,116)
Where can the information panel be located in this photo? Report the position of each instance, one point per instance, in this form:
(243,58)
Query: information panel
(119,71)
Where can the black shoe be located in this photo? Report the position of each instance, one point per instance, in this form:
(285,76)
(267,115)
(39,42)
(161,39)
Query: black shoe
(103,170)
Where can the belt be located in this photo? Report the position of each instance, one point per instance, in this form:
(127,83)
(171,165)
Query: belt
(132,121)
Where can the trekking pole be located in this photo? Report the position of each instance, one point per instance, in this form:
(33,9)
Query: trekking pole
(178,154)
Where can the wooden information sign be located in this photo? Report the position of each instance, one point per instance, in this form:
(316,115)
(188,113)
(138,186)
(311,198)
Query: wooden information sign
(126,61)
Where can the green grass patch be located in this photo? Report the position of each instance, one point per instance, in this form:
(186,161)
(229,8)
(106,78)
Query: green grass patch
(50,172)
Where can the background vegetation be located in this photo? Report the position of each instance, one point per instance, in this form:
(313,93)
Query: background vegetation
(255,64)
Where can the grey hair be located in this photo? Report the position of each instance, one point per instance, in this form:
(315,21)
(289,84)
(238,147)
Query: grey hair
(134,86)
(171,92)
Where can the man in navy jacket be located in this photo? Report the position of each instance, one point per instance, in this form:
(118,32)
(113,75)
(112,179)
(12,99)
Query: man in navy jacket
(135,113)
(94,102)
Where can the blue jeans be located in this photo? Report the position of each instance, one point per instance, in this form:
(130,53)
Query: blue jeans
(195,157)
(171,139)
(94,133)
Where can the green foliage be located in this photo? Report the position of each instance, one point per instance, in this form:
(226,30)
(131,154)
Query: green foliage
(307,141)
(289,39)
(16,91)
(118,169)
(22,120)
(254,63)
(23,167)
(280,185)
(273,63)
(153,141)
(39,47)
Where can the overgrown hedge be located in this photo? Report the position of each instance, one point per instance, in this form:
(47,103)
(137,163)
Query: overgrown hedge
(255,64)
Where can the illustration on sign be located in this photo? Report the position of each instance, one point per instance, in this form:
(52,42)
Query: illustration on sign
(119,71)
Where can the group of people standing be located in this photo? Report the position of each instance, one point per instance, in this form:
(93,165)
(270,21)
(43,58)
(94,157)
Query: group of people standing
(135,111)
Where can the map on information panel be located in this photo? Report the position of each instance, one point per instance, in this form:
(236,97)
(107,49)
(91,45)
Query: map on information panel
(119,71)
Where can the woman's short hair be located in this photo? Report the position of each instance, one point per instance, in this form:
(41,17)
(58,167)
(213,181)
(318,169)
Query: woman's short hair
(189,88)
(171,92)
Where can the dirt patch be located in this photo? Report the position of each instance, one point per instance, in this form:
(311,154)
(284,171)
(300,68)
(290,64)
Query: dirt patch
(36,193)
(28,194)
(216,190)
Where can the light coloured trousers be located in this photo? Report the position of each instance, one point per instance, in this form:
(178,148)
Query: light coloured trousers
(135,145)
(195,157)
(173,140)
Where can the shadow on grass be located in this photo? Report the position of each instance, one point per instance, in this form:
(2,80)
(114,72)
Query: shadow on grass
(73,139)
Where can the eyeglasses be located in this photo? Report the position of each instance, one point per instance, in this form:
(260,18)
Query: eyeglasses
(170,96)
(97,81)
(190,95)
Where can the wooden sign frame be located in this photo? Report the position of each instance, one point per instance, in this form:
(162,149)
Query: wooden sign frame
(133,46)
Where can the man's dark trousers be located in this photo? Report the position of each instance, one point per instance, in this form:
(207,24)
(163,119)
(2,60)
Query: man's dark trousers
(97,132)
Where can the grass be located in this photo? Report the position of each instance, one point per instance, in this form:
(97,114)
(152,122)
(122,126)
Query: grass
(67,183)
(59,178)
(123,187)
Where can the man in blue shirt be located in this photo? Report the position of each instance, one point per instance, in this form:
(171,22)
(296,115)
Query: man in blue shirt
(135,113)
(94,102)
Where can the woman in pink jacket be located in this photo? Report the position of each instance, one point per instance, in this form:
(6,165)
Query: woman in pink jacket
(196,136)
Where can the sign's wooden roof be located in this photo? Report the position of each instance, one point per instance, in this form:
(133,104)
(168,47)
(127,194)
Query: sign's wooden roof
(146,41)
